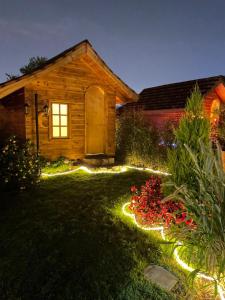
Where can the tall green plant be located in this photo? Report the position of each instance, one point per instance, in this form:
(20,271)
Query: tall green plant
(193,126)
(205,201)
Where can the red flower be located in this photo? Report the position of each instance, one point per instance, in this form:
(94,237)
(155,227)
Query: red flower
(133,189)
(189,222)
(148,207)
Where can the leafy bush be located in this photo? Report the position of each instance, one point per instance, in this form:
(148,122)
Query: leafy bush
(205,202)
(193,126)
(62,164)
(149,209)
(167,134)
(138,143)
(20,167)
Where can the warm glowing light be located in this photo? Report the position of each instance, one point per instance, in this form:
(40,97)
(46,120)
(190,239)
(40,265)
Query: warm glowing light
(107,171)
(126,213)
(59,120)
(86,169)
(176,255)
(149,170)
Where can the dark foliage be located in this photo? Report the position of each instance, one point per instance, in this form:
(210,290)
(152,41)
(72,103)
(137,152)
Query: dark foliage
(34,62)
(139,143)
(20,166)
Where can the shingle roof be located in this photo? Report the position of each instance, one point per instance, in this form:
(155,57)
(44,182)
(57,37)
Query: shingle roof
(174,95)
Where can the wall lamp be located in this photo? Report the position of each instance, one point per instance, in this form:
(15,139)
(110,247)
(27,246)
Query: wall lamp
(26,108)
(45,109)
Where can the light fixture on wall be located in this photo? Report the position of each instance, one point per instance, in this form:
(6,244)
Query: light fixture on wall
(46,109)
(26,108)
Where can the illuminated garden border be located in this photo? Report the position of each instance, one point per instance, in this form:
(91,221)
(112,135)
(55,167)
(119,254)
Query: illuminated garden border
(158,228)
(105,171)
(176,255)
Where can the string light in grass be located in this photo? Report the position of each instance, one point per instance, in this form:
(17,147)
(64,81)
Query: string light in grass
(105,171)
(176,255)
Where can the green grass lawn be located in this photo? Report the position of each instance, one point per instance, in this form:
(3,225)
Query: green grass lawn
(58,168)
(69,240)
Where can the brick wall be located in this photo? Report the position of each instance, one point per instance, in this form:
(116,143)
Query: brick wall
(160,118)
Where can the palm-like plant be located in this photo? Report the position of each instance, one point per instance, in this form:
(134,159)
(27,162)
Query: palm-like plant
(205,202)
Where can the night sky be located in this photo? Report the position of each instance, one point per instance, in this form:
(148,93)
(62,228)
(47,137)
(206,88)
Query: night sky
(145,42)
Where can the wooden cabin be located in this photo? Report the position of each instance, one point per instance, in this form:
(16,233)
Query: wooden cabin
(166,103)
(67,106)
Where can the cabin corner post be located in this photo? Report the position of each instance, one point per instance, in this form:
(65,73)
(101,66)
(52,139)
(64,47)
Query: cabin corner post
(36,122)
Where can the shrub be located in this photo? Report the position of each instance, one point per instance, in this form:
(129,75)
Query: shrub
(205,202)
(193,126)
(167,135)
(138,143)
(62,164)
(20,167)
(149,209)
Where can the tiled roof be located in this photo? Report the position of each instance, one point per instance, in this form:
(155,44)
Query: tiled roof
(174,95)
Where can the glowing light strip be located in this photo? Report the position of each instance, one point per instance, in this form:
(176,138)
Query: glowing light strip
(149,170)
(86,169)
(105,171)
(178,259)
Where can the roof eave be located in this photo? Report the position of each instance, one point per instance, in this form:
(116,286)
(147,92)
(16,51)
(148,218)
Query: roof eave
(123,88)
(83,48)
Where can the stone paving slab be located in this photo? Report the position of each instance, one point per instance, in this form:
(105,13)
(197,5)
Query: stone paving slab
(161,277)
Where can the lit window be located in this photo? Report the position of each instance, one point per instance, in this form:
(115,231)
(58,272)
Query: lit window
(59,120)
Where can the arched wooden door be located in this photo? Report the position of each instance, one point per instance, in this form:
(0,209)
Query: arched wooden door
(95,120)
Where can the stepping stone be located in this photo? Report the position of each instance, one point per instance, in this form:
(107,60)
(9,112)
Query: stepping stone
(161,277)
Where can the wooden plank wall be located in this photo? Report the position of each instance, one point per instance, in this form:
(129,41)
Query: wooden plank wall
(12,120)
(68,84)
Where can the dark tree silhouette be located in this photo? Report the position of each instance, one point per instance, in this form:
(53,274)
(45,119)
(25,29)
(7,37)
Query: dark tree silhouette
(10,76)
(34,62)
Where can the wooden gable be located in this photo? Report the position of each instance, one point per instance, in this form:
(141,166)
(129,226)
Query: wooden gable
(80,80)
(73,60)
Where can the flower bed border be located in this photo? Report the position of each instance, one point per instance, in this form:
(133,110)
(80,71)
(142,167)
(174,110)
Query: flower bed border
(105,171)
(184,265)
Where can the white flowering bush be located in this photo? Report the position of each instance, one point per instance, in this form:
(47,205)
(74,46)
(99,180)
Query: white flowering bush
(20,166)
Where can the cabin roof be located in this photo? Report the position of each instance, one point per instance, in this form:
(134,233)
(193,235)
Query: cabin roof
(86,48)
(175,95)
